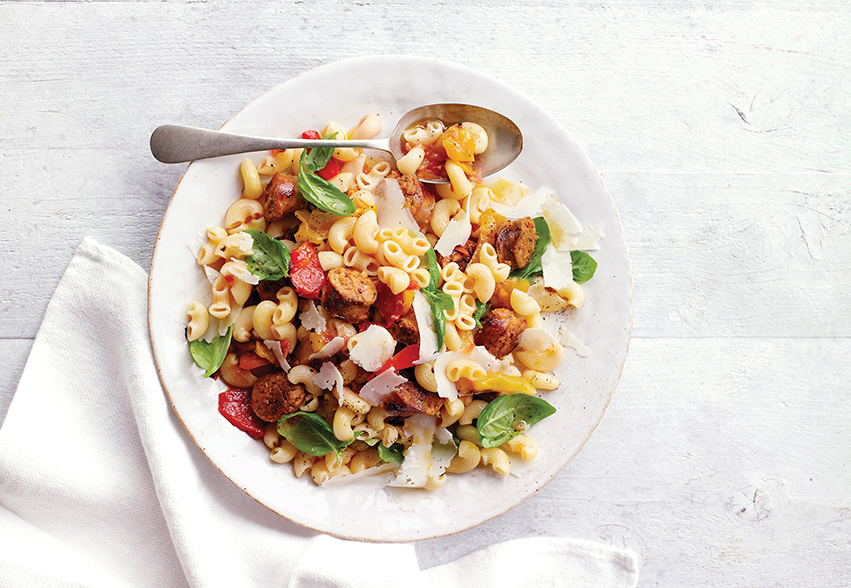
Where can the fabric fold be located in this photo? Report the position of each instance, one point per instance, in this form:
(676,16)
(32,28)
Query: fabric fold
(100,485)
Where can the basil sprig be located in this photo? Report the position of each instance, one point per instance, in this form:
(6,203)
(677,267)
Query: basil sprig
(534,267)
(318,157)
(481,309)
(584,266)
(270,260)
(392,454)
(209,356)
(311,434)
(438,299)
(318,191)
(323,194)
(507,416)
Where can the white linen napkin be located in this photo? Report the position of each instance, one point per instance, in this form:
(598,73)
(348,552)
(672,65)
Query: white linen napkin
(100,486)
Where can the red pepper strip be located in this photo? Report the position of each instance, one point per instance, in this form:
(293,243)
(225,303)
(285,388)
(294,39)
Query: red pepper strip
(249,361)
(311,135)
(306,272)
(403,359)
(331,169)
(235,406)
(391,306)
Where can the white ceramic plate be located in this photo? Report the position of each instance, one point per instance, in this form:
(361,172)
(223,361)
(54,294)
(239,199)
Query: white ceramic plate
(343,92)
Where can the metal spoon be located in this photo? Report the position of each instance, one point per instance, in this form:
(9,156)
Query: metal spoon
(179,144)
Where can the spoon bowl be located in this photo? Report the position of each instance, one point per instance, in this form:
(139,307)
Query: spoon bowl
(179,144)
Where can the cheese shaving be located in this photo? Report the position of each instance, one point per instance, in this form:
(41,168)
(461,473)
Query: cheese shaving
(381,386)
(456,233)
(558,268)
(374,348)
(425,324)
(330,348)
(390,207)
(536,339)
(329,377)
(278,352)
(568,339)
(311,319)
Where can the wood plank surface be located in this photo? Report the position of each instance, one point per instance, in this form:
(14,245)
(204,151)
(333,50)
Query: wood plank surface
(722,132)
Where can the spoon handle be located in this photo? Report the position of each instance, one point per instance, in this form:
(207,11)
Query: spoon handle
(179,144)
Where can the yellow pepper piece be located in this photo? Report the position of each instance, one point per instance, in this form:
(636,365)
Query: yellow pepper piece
(459,143)
(503,383)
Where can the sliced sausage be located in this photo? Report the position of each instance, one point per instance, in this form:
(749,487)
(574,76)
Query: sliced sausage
(281,197)
(462,254)
(348,294)
(268,290)
(273,396)
(501,328)
(405,330)
(515,242)
(408,398)
(418,198)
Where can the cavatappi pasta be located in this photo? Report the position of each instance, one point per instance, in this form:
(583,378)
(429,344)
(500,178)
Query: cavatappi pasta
(363,319)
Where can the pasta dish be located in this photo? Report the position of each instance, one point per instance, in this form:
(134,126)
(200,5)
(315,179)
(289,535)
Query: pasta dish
(366,321)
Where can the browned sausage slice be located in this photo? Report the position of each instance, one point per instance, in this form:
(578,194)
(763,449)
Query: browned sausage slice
(348,294)
(281,197)
(515,242)
(273,396)
(501,328)
(418,199)
(405,330)
(408,398)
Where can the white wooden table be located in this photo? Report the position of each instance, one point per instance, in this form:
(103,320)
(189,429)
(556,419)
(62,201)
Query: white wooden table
(722,130)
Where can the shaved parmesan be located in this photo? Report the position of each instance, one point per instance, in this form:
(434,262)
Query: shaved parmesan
(212,275)
(528,206)
(558,268)
(425,324)
(568,339)
(374,348)
(381,386)
(329,377)
(536,339)
(390,207)
(456,233)
(278,352)
(565,230)
(311,319)
(330,348)
(240,269)
(413,472)
(374,474)
(587,240)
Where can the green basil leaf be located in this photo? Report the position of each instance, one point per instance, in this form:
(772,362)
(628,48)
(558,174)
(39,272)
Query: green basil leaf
(392,454)
(439,326)
(584,266)
(270,260)
(209,356)
(534,266)
(507,416)
(439,299)
(319,156)
(481,309)
(433,270)
(323,194)
(311,434)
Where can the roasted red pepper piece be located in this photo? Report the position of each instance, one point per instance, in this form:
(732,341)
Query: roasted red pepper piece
(235,406)
(403,359)
(249,361)
(331,169)
(391,306)
(311,135)
(306,272)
